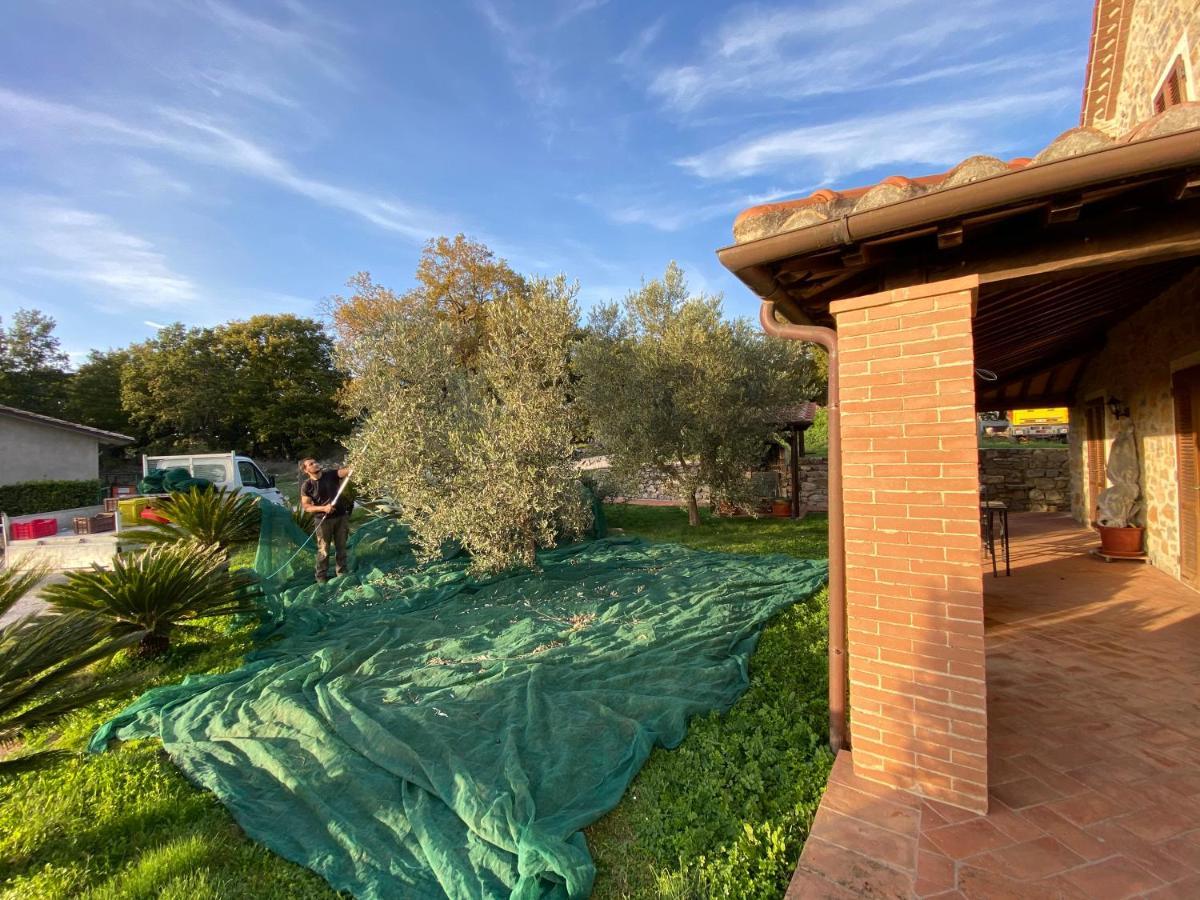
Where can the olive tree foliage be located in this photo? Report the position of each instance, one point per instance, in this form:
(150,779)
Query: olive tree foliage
(669,385)
(469,428)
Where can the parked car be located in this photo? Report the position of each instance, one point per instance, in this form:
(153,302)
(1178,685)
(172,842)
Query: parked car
(228,471)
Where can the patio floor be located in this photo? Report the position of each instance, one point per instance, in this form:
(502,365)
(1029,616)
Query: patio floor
(1094,748)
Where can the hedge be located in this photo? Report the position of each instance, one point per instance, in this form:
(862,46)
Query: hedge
(45,496)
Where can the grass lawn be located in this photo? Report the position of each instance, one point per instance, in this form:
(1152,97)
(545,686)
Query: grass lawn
(723,815)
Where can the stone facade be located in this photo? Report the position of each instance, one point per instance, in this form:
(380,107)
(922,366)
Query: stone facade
(1037,480)
(1135,367)
(1135,44)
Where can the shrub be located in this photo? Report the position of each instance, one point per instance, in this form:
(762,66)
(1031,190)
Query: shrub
(42,496)
(212,518)
(40,660)
(149,594)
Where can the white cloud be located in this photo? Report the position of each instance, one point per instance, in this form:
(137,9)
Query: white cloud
(197,139)
(936,135)
(68,244)
(158,326)
(791,53)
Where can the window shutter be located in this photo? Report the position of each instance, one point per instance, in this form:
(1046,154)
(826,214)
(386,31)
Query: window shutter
(1174,87)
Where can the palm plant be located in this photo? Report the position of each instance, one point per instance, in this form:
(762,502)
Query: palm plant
(151,593)
(41,657)
(212,518)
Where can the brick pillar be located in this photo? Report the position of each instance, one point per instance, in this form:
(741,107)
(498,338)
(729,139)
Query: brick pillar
(914,587)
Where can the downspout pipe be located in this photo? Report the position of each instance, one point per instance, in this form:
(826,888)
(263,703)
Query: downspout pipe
(827,338)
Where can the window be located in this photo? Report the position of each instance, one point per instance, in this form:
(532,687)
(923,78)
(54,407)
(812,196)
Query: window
(1174,88)
(214,472)
(251,477)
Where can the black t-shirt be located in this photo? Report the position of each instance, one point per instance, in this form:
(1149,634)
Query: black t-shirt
(324,489)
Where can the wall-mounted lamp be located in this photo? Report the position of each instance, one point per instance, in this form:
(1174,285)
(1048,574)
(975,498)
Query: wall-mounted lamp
(1117,408)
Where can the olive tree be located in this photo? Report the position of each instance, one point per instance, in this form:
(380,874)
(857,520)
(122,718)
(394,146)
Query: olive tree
(474,447)
(669,385)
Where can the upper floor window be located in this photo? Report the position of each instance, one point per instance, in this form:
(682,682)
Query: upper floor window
(1174,87)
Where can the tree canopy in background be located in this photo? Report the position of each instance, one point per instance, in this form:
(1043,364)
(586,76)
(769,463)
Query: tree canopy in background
(266,386)
(468,422)
(32,365)
(669,385)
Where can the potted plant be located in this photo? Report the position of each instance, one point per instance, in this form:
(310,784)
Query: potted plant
(1119,505)
(781,507)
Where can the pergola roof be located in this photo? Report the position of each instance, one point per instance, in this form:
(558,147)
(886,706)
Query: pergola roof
(1065,244)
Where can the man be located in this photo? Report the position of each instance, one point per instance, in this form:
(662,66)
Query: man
(316,496)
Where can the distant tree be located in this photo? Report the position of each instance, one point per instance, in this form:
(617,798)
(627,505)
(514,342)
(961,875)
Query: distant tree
(458,280)
(468,427)
(32,366)
(284,384)
(174,387)
(266,386)
(669,385)
(94,392)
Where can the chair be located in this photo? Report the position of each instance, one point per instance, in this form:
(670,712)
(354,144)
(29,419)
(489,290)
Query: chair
(993,520)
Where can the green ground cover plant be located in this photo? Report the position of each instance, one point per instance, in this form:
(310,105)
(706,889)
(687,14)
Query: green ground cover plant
(722,816)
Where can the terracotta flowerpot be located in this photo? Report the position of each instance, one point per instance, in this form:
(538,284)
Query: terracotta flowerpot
(1121,541)
(781,509)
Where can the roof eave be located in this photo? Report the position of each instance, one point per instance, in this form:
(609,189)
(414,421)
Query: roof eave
(1074,173)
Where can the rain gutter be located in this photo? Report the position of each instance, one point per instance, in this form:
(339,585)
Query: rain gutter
(827,338)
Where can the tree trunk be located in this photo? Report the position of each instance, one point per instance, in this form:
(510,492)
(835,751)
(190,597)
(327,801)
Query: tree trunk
(693,509)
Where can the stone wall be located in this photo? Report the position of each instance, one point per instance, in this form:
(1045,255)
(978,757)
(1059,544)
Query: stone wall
(1038,480)
(814,484)
(1157,31)
(1135,367)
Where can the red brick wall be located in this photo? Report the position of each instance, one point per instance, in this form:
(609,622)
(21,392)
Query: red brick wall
(913,579)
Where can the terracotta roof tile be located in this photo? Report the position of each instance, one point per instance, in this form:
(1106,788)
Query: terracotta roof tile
(826,204)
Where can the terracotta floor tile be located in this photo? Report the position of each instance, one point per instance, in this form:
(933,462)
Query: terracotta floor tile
(1030,860)
(859,873)
(1087,809)
(869,840)
(1025,792)
(902,819)
(1159,823)
(1013,824)
(1113,879)
(935,874)
(1188,889)
(968,838)
(1185,848)
(1071,836)
(810,886)
(1139,850)
(978,883)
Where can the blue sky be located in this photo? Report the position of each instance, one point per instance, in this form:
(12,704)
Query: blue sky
(204,160)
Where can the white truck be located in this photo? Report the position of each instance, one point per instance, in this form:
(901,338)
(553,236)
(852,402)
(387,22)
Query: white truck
(226,470)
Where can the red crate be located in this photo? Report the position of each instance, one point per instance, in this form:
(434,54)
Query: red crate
(36,528)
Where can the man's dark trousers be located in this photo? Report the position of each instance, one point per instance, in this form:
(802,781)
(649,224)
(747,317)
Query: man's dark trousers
(335,530)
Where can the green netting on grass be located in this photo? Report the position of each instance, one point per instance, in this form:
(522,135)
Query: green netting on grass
(413,731)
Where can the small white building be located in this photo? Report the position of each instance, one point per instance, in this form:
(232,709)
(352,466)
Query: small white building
(34,447)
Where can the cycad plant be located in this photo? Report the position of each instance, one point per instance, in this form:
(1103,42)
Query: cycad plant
(41,658)
(212,518)
(151,593)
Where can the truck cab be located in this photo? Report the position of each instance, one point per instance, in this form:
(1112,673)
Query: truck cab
(228,471)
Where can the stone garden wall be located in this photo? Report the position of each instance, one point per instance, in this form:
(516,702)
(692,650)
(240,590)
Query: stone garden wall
(1027,479)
